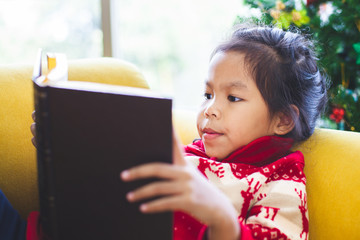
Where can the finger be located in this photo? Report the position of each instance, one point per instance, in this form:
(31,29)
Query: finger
(33,115)
(155,189)
(178,156)
(33,129)
(33,140)
(149,170)
(169,203)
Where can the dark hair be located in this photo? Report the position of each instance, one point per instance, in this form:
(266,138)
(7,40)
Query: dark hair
(285,70)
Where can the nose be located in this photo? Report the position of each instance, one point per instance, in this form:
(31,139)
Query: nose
(212,109)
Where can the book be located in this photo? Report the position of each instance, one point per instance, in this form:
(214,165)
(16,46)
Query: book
(86,134)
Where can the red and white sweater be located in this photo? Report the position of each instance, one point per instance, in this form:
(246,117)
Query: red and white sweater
(265,183)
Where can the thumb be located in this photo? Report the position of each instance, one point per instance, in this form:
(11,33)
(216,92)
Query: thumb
(178,157)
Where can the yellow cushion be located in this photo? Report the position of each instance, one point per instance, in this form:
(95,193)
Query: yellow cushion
(332,168)
(184,122)
(107,70)
(18,175)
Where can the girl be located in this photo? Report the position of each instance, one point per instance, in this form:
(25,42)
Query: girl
(263,93)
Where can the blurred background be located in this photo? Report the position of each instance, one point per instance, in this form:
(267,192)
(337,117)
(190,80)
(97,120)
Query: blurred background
(170,41)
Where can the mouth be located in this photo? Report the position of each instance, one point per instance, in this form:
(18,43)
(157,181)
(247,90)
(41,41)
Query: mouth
(210,134)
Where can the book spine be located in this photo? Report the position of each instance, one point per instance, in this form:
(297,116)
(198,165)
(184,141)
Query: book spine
(44,162)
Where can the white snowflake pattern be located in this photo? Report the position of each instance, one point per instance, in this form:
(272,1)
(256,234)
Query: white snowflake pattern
(273,235)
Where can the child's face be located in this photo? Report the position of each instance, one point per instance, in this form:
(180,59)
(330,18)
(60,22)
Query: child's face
(234,113)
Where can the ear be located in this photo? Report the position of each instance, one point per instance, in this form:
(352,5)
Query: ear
(285,122)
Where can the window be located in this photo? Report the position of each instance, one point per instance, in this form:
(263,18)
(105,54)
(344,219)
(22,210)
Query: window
(69,26)
(171,41)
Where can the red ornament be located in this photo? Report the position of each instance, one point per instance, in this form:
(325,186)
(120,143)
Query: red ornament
(337,114)
(309,2)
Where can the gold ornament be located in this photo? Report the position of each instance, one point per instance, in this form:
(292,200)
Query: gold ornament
(296,16)
(280,5)
(344,81)
(357,22)
(275,14)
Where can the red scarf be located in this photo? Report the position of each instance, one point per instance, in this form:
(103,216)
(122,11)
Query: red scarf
(259,152)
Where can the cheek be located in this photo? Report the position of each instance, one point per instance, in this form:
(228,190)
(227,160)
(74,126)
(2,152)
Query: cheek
(255,126)
(250,120)
(199,120)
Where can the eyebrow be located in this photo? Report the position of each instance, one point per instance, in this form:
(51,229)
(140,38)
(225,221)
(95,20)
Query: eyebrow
(235,84)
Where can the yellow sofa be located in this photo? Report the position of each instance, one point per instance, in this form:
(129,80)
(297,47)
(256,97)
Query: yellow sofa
(332,157)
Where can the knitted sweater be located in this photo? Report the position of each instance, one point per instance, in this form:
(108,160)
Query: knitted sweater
(265,183)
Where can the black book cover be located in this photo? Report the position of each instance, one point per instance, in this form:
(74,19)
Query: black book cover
(85,138)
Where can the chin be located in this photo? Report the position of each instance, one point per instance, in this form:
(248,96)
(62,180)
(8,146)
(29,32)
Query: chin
(214,154)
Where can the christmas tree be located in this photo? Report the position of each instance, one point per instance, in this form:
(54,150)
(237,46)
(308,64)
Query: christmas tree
(335,28)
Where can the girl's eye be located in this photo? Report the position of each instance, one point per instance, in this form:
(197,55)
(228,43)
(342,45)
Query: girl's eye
(207,96)
(234,99)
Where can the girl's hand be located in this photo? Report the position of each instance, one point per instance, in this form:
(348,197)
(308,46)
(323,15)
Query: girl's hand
(32,129)
(184,188)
